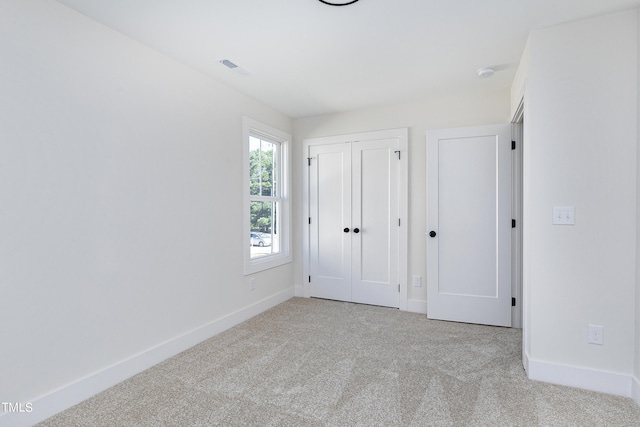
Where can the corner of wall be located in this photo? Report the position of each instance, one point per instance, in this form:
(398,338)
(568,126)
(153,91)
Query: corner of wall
(520,79)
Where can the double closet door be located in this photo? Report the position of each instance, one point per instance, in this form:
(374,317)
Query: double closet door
(354,221)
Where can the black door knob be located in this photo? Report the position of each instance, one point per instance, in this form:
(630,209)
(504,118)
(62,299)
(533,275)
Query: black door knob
(432,233)
(356,230)
(346,229)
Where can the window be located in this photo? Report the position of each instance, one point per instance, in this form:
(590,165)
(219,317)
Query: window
(266,188)
(264,196)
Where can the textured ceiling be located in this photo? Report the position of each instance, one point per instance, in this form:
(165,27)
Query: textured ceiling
(306,58)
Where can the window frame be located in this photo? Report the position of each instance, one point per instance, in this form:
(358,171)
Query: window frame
(255,128)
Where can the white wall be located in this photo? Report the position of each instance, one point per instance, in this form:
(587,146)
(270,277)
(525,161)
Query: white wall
(120,199)
(581,150)
(519,84)
(455,110)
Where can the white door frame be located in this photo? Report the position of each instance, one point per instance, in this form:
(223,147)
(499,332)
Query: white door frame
(516,212)
(520,121)
(402,134)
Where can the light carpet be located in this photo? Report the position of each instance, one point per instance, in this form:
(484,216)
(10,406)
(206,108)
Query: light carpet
(310,362)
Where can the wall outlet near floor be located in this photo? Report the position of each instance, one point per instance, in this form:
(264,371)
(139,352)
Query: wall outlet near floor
(417,281)
(252,284)
(596,334)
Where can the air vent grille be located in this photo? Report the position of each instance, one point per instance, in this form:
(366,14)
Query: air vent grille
(234,67)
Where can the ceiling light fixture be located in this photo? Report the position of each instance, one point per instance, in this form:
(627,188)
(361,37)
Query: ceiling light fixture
(338,3)
(485,72)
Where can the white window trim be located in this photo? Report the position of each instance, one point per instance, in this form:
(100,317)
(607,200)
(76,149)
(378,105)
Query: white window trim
(259,264)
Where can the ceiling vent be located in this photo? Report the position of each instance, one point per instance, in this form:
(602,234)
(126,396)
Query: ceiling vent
(234,67)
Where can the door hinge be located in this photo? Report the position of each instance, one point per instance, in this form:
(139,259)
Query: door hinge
(309,161)
(398,222)
(398,287)
(513,223)
(309,220)
(513,145)
(309,279)
(398,153)
(513,302)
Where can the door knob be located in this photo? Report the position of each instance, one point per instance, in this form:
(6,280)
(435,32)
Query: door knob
(356,230)
(432,233)
(346,229)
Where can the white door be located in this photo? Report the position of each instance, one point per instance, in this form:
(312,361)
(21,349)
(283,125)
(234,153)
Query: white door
(330,221)
(375,171)
(354,222)
(469,225)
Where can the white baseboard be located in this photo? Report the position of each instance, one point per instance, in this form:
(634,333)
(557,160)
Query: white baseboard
(589,379)
(417,306)
(82,389)
(635,390)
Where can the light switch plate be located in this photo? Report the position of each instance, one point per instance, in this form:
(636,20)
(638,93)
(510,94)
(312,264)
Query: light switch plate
(564,215)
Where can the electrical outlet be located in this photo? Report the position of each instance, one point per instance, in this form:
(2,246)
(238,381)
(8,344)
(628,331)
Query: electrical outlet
(596,334)
(417,281)
(252,284)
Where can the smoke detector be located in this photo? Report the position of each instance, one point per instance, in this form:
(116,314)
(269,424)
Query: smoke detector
(485,72)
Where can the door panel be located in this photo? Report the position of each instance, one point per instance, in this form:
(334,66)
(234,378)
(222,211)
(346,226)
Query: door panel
(330,208)
(375,213)
(469,208)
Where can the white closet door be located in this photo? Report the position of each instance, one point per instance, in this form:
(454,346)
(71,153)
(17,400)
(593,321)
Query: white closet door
(330,215)
(375,215)
(354,229)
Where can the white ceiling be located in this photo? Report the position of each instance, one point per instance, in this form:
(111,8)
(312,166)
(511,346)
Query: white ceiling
(307,58)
